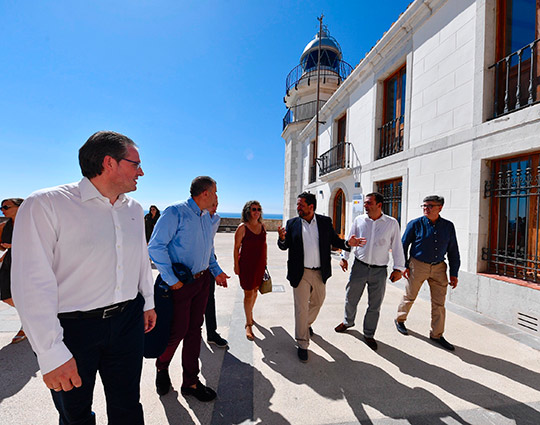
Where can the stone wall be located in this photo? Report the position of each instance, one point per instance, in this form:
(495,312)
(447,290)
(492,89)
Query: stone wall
(229,225)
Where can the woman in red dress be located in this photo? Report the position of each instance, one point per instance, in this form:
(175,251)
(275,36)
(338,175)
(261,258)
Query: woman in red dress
(250,257)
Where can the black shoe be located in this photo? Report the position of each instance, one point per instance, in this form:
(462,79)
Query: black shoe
(302,355)
(400,326)
(201,393)
(371,343)
(443,343)
(311,331)
(163,382)
(217,340)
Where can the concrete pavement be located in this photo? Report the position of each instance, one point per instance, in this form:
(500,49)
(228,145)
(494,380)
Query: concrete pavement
(493,377)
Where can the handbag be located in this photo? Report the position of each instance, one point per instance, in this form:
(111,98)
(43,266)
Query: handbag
(266,285)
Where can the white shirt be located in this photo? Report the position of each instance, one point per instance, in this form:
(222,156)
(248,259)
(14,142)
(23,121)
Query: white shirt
(310,239)
(381,235)
(74,251)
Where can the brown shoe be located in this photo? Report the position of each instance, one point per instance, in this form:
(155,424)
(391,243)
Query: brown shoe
(341,328)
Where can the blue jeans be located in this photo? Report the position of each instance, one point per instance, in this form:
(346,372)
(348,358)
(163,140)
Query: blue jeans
(114,347)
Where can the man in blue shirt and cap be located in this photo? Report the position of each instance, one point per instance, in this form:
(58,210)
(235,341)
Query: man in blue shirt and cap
(429,238)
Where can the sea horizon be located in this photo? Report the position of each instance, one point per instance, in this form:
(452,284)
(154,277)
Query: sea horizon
(267,216)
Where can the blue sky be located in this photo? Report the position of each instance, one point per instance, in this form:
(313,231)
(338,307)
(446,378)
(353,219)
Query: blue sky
(198,85)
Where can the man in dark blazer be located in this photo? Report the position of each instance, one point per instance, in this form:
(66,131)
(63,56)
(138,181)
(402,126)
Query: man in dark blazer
(309,238)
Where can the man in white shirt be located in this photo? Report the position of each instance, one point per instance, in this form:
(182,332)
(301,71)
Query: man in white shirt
(82,283)
(370,264)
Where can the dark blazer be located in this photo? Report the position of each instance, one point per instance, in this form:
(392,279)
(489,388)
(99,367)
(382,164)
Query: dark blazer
(294,243)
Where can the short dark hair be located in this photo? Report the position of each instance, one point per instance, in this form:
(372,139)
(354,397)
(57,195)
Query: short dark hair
(246,211)
(434,198)
(310,199)
(16,201)
(379,199)
(98,146)
(200,184)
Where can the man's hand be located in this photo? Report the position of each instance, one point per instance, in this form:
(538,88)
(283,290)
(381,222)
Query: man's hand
(395,276)
(406,274)
(64,377)
(453,281)
(344,264)
(150,318)
(282,232)
(177,286)
(354,241)
(221,279)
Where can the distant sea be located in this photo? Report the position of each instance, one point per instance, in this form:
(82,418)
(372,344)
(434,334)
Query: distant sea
(238,215)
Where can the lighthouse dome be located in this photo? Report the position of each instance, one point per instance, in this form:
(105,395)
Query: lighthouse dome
(330,52)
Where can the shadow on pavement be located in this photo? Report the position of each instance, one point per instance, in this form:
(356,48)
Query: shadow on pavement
(175,412)
(19,365)
(356,382)
(464,388)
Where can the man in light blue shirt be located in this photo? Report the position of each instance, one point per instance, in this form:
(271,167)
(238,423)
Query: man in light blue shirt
(184,234)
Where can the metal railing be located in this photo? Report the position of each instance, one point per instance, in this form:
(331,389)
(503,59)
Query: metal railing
(514,243)
(391,192)
(516,84)
(391,137)
(303,112)
(335,159)
(341,70)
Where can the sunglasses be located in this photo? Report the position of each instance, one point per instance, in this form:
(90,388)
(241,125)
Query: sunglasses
(256,209)
(5,207)
(427,206)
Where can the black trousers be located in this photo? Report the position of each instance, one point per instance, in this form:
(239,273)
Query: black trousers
(114,348)
(210,313)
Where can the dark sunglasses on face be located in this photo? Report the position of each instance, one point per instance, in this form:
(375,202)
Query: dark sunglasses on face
(5,207)
(256,209)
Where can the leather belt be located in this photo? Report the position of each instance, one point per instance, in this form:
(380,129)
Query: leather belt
(98,313)
(371,266)
(198,275)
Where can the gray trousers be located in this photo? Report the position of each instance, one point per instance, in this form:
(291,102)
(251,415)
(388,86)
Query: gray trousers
(375,278)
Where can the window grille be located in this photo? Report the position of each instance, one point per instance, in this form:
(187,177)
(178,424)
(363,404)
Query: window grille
(391,191)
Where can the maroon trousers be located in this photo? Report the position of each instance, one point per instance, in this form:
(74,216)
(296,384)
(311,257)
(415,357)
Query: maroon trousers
(189,304)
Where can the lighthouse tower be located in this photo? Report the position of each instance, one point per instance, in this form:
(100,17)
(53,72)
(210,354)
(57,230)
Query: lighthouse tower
(301,92)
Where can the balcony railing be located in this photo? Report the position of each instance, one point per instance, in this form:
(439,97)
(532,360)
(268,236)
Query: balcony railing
(341,70)
(516,82)
(303,112)
(391,137)
(337,158)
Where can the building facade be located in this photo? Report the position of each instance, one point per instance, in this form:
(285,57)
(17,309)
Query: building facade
(445,103)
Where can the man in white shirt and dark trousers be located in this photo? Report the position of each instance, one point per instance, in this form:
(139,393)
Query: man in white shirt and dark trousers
(82,283)
(370,265)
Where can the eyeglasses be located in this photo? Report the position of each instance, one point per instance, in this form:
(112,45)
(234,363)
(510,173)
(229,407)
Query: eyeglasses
(429,206)
(137,163)
(256,209)
(5,207)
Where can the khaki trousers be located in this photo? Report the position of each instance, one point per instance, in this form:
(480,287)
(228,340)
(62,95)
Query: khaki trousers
(438,284)
(308,299)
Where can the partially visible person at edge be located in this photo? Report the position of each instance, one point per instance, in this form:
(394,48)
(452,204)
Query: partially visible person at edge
(309,238)
(83,285)
(370,265)
(210,320)
(250,258)
(9,209)
(429,238)
(184,234)
(150,221)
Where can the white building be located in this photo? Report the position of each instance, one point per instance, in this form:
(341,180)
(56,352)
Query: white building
(445,103)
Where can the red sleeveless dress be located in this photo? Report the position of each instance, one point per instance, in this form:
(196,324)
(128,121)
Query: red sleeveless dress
(252,259)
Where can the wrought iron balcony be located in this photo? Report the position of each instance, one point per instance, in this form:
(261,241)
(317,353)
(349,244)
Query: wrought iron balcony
(391,137)
(516,85)
(303,112)
(341,70)
(339,157)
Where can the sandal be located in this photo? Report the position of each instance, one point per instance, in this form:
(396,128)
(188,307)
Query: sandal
(249,332)
(20,337)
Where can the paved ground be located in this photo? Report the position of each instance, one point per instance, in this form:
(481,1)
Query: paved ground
(493,377)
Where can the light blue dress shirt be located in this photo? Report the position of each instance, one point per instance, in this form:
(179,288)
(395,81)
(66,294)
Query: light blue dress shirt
(183,234)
